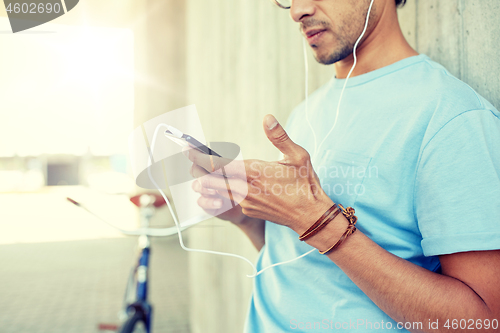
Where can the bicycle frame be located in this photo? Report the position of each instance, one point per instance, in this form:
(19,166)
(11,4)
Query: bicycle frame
(139,276)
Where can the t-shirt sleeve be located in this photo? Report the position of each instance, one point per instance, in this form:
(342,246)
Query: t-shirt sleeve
(457,186)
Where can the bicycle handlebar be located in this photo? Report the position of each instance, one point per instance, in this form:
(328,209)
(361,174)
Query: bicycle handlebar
(155,232)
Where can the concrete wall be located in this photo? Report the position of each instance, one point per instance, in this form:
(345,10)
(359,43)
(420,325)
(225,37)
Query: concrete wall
(245,60)
(463,35)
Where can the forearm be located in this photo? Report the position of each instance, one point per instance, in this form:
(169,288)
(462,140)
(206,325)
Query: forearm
(255,230)
(405,291)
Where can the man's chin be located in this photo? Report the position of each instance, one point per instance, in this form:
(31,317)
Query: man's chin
(328,58)
(322,57)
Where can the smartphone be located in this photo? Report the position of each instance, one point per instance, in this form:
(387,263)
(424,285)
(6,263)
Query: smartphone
(186,140)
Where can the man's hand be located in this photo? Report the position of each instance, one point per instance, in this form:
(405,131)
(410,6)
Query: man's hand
(287,192)
(213,203)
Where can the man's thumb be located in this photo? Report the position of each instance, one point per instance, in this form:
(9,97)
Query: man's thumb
(279,138)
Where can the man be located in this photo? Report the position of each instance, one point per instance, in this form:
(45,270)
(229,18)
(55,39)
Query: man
(414,151)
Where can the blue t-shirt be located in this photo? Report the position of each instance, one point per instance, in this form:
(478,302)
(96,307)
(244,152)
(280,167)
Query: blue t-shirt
(416,152)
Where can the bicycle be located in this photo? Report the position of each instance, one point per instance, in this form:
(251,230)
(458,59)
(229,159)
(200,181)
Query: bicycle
(136,313)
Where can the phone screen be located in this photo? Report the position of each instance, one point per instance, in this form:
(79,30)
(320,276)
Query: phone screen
(180,142)
(189,141)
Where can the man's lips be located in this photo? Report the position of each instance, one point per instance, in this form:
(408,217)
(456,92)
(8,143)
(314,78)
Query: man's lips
(314,35)
(311,33)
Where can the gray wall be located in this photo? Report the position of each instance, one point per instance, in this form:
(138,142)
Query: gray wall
(244,60)
(462,35)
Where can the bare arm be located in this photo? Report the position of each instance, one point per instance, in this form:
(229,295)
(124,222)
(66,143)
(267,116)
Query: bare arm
(255,230)
(468,288)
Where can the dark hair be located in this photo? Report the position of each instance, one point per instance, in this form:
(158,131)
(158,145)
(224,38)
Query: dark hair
(400,3)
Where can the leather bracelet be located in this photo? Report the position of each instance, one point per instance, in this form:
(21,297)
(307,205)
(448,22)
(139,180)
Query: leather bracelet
(351,228)
(349,214)
(321,222)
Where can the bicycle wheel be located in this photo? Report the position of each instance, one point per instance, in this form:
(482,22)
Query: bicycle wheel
(134,324)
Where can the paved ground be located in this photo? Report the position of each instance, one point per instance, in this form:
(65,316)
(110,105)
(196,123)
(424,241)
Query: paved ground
(72,286)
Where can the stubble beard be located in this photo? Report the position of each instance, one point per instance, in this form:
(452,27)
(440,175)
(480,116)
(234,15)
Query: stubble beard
(343,47)
(339,54)
(345,38)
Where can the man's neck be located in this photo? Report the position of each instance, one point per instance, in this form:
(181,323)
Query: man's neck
(384,45)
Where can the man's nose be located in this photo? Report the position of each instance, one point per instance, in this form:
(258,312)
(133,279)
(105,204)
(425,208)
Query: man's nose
(301,9)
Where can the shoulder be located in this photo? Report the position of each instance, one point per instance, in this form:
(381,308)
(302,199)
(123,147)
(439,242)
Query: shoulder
(445,99)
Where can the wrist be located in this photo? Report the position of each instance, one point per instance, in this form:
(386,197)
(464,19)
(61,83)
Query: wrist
(315,211)
(332,232)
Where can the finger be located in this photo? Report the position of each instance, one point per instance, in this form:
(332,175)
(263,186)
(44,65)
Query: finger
(280,139)
(216,165)
(196,185)
(213,206)
(197,171)
(234,189)
(208,162)
(222,184)
(209,202)
(234,197)
(227,192)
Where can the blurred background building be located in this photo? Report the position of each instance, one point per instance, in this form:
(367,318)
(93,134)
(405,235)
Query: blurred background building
(72,90)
